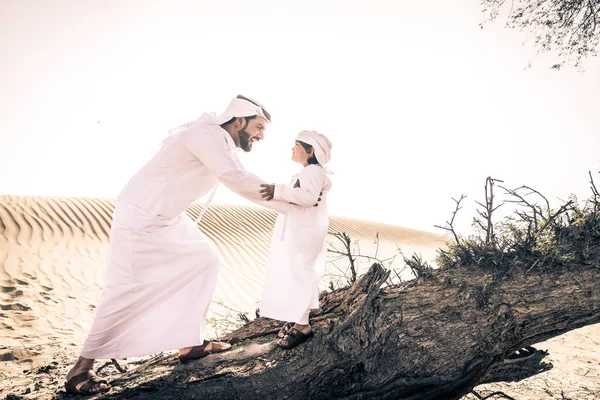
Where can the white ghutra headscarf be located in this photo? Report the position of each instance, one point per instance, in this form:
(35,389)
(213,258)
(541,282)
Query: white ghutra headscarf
(321,145)
(239,106)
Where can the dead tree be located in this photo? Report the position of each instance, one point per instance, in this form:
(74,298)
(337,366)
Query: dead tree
(431,338)
(435,337)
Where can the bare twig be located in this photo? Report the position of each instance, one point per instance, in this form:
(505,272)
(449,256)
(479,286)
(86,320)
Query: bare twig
(489,396)
(243,317)
(489,209)
(538,212)
(564,208)
(594,189)
(571,27)
(345,239)
(450,224)
(355,256)
(595,193)
(418,267)
(117,366)
(112,362)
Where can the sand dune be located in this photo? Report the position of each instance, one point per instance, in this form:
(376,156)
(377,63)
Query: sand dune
(52,254)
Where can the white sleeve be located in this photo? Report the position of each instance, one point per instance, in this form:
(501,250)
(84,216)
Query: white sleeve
(211,148)
(311,184)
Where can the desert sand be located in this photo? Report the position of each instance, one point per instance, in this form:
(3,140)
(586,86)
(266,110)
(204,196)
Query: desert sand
(52,254)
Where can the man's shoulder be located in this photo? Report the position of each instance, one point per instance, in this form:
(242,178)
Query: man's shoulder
(206,129)
(207,132)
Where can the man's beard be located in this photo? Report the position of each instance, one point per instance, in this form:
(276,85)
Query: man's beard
(244,140)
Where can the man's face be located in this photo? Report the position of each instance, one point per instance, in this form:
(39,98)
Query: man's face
(251,131)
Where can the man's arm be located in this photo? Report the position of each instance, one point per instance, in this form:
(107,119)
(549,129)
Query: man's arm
(211,148)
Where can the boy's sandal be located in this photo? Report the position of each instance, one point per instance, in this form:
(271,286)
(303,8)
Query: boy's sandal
(284,330)
(293,338)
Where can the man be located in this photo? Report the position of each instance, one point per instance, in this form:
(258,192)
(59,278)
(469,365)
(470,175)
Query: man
(161,270)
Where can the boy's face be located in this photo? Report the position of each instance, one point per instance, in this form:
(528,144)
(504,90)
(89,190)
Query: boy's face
(300,155)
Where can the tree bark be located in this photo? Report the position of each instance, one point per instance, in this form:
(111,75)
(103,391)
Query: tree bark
(431,338)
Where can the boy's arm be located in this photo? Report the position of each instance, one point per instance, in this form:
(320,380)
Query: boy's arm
(308,191)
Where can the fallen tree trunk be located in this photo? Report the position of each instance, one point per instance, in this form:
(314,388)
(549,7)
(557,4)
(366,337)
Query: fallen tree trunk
(430,338)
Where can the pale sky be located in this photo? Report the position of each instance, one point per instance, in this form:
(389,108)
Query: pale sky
(421,104)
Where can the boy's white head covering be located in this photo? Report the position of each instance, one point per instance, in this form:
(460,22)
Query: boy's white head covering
(319,142)
(239,106)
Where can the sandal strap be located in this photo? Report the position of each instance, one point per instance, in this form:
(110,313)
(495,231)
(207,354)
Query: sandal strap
(82,377)
(294,337)
(97,379)
(285,329)
(297,333)
(78,381)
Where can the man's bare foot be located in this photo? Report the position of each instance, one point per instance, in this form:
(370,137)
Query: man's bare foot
(206,348)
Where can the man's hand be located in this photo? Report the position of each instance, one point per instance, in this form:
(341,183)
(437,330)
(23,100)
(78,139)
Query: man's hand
(268,191)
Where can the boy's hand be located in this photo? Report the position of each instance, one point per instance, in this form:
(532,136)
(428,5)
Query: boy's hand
(317,203)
